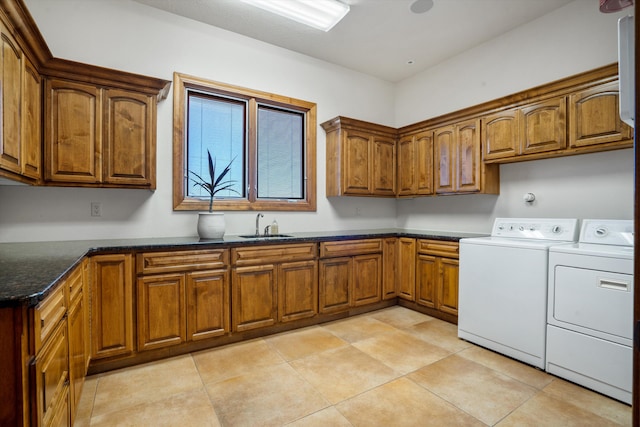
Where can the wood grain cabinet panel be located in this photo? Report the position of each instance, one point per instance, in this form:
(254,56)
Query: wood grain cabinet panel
(426,280)
(254,298)
(129,154)
(78,355)
(448,286)
(361,158)
(73,132)
(335,282)
(112,327)
(544,126)
(297,290)
(468,156)
(437,276)
(11,69)
(415,164)
(445,159)
(390,267)
(501,132)
(407,268)
(31,132)
(595,117)
(161,319)
(367,279)
(207,304)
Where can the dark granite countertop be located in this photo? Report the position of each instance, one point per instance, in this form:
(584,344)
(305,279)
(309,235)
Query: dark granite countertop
(29,270)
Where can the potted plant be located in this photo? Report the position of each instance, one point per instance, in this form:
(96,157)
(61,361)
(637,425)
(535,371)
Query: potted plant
(211,225)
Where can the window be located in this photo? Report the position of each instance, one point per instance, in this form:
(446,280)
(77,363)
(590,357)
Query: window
(268,140)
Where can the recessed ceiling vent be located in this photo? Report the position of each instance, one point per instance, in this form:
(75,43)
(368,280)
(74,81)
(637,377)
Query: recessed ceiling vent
(421,6)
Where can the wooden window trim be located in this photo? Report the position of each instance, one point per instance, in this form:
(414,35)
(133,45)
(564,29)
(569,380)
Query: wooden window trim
(181,202)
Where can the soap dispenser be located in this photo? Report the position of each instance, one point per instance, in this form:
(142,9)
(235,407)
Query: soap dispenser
(274,227)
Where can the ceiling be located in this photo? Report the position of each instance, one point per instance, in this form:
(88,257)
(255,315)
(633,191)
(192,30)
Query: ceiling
(382,38)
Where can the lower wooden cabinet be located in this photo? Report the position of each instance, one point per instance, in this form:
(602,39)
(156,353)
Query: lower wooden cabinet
(272,284)
(407,268)
(207,298)
(254,297)
(353,278)
(112,327)
(389,267)
(437,275)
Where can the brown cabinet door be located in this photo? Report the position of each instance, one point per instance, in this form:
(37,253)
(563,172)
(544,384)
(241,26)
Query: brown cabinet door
(500,134)
(389,267)
(111,305)
(11,78)
(544,126)
(407,160)
(594,116)
(467,156)
(424,163)
(129,139)
(335,284)
(77,355)
(207,296)
(367,279)
(297,290)
(73,139)
(31,121)
(51,375)
(253,297)
(445,159)
(448,285)
(426,280)
(384,166)
(407,268)
(356,170)
(161,316)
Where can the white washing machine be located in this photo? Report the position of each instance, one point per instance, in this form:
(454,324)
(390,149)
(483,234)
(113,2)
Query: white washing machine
(502,300)
(590,310)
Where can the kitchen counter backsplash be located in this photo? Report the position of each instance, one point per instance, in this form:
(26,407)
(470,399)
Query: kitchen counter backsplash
(29,270)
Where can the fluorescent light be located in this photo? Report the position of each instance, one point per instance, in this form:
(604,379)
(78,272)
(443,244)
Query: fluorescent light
(320,14)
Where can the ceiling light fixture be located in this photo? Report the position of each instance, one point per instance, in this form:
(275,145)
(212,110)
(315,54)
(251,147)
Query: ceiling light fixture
(421,6)
(320,14)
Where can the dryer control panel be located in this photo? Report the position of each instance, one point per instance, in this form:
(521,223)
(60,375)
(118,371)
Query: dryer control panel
(560,229)
(607,232)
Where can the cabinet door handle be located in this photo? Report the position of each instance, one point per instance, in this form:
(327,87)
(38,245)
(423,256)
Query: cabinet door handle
(617,285)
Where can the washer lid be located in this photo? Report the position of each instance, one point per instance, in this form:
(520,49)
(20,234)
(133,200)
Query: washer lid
(539,244)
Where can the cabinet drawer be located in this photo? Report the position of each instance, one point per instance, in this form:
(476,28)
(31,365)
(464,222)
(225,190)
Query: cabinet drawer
(48,314)
(75,283)
(169,262)
(350,247)
(253,255)
(438,247)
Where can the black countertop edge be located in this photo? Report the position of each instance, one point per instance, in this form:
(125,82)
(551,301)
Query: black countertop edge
(28,271)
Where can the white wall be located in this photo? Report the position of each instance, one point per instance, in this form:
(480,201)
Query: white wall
(571,40)
(126,35)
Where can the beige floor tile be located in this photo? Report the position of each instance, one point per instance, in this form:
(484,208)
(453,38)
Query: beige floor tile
(440,333)
(147,383)
(324,418)
(358,328)
(271,396)
(403,403)
(400,317)
(544,410)
(343,373)
(304,342)
(85,405)
(401,351)
(603,406)
(480,391)
(191,408)
(218,364)
(519,371)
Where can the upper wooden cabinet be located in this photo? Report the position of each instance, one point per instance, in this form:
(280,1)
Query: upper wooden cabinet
(98,136)
(459,167)
(415,164)
(99,127)
(535,128)
(20,142)
(595,117)
(361,158)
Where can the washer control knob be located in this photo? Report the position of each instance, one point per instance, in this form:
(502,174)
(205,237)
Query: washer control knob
(521,228)
(601,231)
(556,229)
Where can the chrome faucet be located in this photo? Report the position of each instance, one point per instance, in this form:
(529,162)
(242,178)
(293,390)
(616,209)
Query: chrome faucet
(258,223)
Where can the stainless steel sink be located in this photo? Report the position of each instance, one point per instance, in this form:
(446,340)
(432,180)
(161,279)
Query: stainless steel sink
(268,236)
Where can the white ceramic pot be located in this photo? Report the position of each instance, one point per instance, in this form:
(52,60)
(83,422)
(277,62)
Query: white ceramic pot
(211,225)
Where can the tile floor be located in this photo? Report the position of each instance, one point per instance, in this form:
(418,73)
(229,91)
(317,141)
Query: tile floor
(393,367)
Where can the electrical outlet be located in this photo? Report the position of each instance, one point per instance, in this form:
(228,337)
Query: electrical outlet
(96,209)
